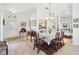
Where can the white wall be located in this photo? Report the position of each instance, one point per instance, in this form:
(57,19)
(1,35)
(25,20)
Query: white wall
(37,13)
(57,10)
(32,17)
(1,23)
(11,25)
(75,13)
(10,31)
(64,13)
(34,14)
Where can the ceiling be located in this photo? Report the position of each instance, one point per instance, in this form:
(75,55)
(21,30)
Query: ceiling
(27,7)
(22,7)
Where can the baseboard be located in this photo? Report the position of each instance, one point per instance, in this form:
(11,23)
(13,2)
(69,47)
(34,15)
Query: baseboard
(68,36)
(11,37)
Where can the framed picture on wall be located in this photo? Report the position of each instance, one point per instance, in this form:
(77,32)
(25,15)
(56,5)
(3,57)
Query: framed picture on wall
(33,23)
(43,24)
(76,20)
(23,24)
(75,25)
(12,16)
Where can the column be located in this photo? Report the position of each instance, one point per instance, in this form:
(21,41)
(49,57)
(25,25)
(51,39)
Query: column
(1,26)
(75,15)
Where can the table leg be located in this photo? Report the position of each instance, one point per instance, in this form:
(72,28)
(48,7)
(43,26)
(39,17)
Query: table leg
(27,37)
(33,47)
(31,38)
(7,51)
(38,51)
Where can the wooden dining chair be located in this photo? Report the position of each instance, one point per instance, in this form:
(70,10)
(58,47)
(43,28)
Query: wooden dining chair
(59,40)
(62,38)
(55,43)
(40,44)
(3,47)
(22,31)
(37,44)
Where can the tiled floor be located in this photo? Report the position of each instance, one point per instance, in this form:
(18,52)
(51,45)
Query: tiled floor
(21,46)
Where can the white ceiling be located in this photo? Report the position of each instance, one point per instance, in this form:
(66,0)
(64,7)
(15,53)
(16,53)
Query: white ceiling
(27,7)
(22,7)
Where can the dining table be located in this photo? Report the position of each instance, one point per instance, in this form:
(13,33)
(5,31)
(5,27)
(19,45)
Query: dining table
(47,37)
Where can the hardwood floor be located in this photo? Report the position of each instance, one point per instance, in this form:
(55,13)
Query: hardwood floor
(22,46)
(68,49)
